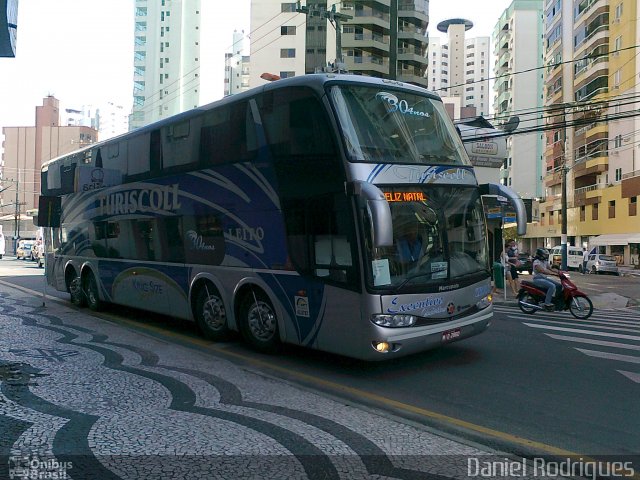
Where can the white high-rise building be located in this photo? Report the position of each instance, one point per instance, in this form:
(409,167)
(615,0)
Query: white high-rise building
(109,119)
(460,67)
(519,88)
(166,59)
(113,120)
(236,68)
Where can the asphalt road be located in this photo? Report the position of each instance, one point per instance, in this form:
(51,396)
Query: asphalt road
(545,383)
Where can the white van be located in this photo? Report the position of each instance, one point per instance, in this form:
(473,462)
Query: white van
(574,257)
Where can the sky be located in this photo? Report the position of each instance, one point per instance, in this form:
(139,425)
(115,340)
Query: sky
(81,51)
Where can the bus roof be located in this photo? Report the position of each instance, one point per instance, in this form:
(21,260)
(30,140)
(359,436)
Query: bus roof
(316,81)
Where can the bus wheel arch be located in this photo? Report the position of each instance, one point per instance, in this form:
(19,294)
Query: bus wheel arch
(73,282)
(258,319)
(91,290)
(209,310)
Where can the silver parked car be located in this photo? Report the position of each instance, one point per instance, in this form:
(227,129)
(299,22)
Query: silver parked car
(601,263)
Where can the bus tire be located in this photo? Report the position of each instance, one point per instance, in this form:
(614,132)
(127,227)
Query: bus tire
(258,322)
(210,313)
(74,286)
(91,292)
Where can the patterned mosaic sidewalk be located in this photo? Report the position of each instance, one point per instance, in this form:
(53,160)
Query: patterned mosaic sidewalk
(86,398)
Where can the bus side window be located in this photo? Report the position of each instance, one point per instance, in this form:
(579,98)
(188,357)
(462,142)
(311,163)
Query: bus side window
(228,135)
(138,155)
(180,143)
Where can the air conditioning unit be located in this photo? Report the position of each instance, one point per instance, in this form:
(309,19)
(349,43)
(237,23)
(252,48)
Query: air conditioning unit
(616,20)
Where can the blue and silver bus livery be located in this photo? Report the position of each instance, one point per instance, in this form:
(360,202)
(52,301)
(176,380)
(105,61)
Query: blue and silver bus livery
(334,212)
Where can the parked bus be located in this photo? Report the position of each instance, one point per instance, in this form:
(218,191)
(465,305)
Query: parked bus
(281,213)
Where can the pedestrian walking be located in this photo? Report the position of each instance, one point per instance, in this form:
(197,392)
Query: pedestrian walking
(2,242)
(585,259)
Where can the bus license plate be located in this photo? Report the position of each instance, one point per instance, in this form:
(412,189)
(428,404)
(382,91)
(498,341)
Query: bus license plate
(449,335)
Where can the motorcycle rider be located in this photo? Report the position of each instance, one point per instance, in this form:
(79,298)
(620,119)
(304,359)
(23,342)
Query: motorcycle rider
(540,271)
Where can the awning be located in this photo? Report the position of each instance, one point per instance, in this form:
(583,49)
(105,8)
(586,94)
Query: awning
(615,239)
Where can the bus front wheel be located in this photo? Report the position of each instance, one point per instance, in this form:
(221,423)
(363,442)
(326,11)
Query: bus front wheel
(259,322)
(210,314)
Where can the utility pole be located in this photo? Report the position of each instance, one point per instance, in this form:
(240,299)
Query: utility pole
(335,19)
(563,232)
(17,214)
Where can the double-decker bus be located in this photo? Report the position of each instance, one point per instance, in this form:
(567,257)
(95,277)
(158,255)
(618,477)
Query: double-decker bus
(335,212)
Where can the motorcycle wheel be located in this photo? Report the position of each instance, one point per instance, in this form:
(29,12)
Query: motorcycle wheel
(527,298)
(581,307)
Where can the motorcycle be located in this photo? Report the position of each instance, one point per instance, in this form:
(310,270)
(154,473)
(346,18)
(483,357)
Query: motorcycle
(531,298)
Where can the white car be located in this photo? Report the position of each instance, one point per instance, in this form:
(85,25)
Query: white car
(601,263)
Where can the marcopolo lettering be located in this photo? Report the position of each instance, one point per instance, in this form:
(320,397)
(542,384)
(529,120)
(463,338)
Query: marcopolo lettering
(161,198)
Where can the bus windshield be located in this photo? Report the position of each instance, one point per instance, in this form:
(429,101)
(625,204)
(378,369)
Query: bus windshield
(388,126)
(438,237)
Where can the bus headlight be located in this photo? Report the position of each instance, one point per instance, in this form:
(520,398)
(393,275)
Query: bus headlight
(394,320)
(485,302)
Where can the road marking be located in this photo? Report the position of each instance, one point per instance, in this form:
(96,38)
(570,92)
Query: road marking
(592,341)
(634,377)
(597,312)
(582,324)
(578,330)
(610,356)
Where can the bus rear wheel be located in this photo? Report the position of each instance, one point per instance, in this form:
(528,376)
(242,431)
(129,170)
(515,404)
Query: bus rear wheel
(91,293)
(210,314)
(259,322)
(74,286)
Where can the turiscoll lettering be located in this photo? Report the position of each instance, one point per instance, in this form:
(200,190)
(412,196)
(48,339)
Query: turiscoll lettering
(161,198)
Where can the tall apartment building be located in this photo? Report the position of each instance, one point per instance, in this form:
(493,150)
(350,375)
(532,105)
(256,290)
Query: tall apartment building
(113,120)
(591,90)
(519,86)
(460,67)
(236,67)
(384,39)
(27,148)
(166,59)
(109,119)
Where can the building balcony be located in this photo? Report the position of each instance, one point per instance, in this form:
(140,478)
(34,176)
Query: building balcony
(367,63)
(412,78)
(591,166)
(594,191)
(413,10)
(587,6)
(630,186)
(369,16)
(553,179)
(503,97)
(592,69)
(412,33)
(597,131)
(412,55)
(365,41)
(601,164)
(599,36)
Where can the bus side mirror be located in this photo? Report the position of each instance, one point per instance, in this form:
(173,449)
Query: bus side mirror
(49,212)
(378,211)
